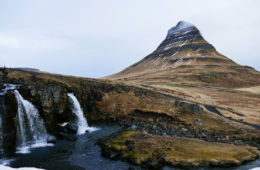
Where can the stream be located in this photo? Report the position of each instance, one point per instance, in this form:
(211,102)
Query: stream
(85,154)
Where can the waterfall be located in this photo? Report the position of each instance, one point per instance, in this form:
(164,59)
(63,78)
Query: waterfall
(31,131)
(81,120)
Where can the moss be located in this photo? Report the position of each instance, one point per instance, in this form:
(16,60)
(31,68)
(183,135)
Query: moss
(153,151)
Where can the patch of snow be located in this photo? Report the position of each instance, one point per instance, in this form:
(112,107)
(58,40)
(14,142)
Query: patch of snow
(164,65)
(182,26)
(177,63)
(189,61)
(197,50)
(175,53)
(2,167)
(166,48)
(155,62)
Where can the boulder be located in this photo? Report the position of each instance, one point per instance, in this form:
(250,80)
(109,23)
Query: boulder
(189,106)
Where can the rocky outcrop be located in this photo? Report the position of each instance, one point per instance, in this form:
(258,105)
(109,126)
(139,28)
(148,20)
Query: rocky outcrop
(189,106)
(154,152)
(52,103)
(9,122)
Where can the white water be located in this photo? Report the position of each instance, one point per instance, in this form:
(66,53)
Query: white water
(8,87)
(31,131)
(81,122)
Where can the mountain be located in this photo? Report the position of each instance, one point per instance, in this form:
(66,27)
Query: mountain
(186,58)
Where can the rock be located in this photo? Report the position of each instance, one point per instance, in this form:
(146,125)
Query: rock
(71,128)
(133,127)
(130,144)
(198,122)
(51,139)
(2,86)
(189,106)
(67,136)
(9,123)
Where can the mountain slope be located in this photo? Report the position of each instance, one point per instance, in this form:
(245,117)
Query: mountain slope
(185,57)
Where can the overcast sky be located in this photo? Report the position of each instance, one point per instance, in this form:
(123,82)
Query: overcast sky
(97,38)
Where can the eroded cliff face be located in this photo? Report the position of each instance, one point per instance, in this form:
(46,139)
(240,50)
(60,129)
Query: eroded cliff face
(8,108)
(126,104)
(51,101)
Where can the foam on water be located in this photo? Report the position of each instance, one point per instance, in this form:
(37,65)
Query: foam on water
(31,131)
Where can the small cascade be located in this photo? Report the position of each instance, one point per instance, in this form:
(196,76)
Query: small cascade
(31,131)
(81,120)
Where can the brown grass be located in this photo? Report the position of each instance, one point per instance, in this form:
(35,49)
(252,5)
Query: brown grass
(180,151)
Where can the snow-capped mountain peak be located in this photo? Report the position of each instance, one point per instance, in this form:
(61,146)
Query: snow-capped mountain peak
(182,26)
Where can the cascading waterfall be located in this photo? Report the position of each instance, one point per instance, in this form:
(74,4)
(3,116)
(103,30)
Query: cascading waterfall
(81,120)
(31,131)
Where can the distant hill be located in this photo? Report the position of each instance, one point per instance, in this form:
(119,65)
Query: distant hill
(22,68)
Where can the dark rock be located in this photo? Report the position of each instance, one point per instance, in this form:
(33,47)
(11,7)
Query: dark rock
(130,145)
(67,136)
(71,128)
(51,139)
(9,123)
(189,106)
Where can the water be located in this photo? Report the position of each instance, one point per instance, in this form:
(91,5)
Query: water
(8,87)
(85,154)
(81,120)
(31,131)
(78,155)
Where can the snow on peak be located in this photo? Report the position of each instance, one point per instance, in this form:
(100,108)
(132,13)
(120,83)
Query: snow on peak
(180,27)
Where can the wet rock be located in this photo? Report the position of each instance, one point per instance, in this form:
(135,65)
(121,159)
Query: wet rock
(71,128)
(9,123)
(130,144)
(51,139)
(66,136)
